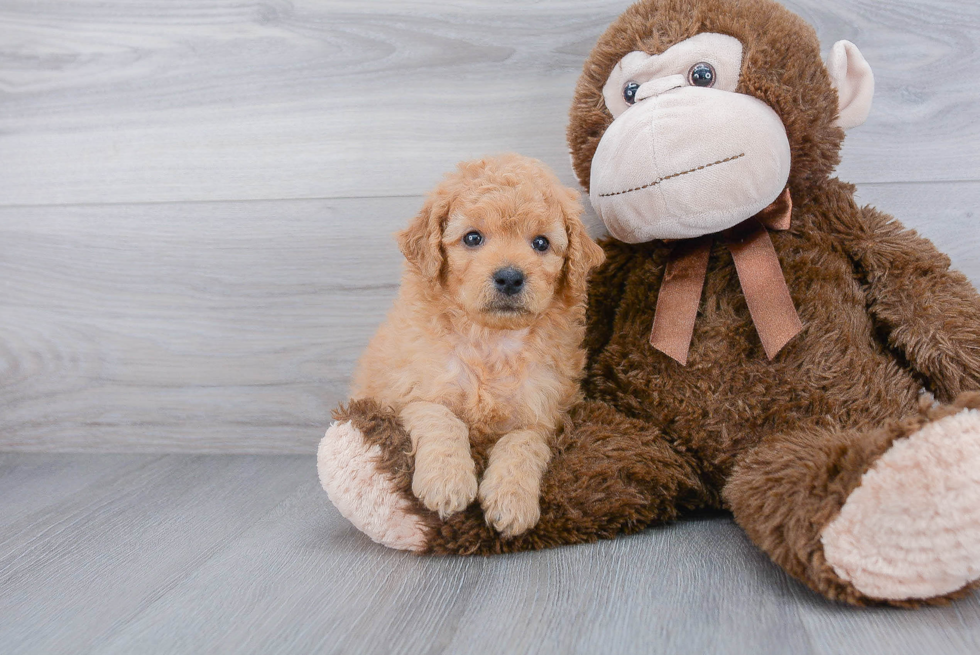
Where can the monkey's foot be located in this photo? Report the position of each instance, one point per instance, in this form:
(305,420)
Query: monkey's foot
(911,530)
(353,474)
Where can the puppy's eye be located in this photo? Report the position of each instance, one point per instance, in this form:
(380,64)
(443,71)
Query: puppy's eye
(472,239)
(540,243)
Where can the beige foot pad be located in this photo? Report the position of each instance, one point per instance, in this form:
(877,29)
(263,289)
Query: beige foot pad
(362,493)
(911,530)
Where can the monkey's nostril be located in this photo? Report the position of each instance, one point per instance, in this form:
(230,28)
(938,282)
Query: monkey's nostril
(508,281)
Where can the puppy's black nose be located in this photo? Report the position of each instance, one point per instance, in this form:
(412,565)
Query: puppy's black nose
(509,281)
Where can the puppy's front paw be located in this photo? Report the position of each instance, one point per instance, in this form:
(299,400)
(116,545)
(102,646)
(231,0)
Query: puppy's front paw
(509,506)
(445,486)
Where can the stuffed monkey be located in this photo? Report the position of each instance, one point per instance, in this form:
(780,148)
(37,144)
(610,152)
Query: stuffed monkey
(757,341)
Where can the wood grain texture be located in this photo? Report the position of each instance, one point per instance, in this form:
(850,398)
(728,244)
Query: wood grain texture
(205,325)
(211,327)
(243,554)
(115,102)
(196,202)
(29,484)
(75,570)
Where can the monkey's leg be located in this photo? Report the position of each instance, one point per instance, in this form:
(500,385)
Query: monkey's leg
(365,464)
(607,475)
(885,515)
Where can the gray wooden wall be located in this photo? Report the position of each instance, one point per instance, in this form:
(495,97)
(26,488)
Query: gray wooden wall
(197,196)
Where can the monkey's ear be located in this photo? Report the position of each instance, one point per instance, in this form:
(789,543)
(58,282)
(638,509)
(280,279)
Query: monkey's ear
(421,241)
(851,75)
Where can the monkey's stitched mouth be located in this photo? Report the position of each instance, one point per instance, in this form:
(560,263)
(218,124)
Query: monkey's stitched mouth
(672,176)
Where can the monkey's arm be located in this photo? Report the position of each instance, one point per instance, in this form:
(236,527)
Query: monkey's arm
(605,293)
(928,312)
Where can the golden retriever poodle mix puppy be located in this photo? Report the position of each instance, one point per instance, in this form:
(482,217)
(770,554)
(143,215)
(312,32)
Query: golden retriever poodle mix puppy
(483,344)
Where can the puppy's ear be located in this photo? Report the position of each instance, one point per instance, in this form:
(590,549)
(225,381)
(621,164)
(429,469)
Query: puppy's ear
(421,241)
(583,254)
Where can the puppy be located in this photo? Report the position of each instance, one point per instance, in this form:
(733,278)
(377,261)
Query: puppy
(485,335)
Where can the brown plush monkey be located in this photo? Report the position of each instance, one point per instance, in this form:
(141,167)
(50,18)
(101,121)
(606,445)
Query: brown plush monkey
(757,341)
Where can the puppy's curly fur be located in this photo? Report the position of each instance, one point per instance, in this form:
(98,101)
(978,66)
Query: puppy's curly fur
(484,340)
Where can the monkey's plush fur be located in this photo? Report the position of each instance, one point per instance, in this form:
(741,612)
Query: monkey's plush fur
(857,447)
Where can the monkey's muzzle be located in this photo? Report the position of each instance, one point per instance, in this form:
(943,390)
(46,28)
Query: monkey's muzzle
(687,162)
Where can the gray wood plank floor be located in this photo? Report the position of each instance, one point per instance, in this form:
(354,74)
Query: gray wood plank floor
(240,554)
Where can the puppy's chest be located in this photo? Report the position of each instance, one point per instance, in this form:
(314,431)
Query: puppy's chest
(497,382)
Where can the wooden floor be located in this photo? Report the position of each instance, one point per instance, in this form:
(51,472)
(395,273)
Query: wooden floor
(240,554)
(196,202)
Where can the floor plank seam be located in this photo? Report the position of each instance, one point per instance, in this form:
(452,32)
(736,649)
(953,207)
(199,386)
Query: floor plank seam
(189,571)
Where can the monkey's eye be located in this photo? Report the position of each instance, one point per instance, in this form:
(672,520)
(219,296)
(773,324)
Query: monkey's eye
(629,92)
(702,74)
(472,239)
(540,243)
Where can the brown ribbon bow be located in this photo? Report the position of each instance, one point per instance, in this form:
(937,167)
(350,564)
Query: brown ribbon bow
(759,273)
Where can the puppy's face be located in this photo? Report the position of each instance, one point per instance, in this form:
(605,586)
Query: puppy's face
(504,240)
(504,254)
